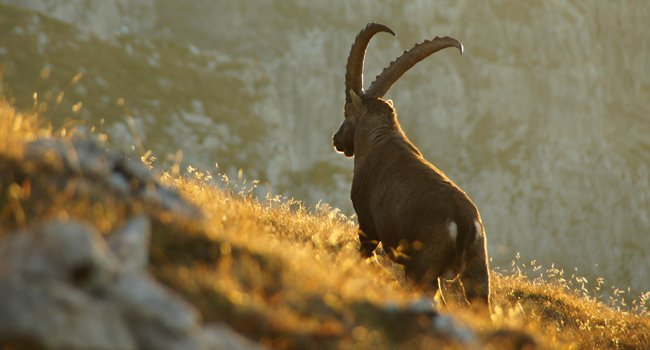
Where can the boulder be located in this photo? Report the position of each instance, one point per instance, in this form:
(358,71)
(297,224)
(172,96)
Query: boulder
(51,282)
(71,252)
(63,287)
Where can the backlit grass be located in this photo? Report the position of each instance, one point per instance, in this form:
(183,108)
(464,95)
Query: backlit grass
(290,277)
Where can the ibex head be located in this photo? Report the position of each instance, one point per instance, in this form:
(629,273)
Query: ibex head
(356,99)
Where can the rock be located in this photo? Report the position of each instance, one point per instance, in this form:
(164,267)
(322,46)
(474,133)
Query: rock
(222,337)
(157,317)
(446,326)
(399,322)
(170,201)
(150,337)
(44,313)
(440,323)
(45,150)
(131,243)
(153,312)
(127,177)
(510,339)
(131,169)
(87,157)
(61,287)
(67,251)
(79,156)
(423,306)
(118,183)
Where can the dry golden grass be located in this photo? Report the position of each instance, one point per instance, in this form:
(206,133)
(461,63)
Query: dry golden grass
(289,277)
(17,128)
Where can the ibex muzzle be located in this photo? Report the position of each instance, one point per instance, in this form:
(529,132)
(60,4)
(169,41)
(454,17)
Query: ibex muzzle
(420,216)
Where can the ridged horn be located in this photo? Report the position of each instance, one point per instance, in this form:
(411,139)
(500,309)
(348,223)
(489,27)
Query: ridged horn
(354,67)
(409,58)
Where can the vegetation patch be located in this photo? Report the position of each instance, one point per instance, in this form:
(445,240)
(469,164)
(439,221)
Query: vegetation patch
(281,274)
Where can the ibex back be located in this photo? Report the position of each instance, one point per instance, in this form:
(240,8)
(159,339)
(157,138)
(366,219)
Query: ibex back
(423,220)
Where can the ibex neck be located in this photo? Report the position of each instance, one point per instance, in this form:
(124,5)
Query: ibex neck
(371,134)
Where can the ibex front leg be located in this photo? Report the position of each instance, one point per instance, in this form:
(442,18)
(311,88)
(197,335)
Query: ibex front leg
(368,239)
(368,242)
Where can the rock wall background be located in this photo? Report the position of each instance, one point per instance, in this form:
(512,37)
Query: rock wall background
(543,121)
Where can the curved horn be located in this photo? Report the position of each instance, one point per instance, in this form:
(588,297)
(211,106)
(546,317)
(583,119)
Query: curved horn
(409,58)
(354,67)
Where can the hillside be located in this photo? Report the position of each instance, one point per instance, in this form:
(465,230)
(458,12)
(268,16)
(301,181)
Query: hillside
(519,121)
(280,274)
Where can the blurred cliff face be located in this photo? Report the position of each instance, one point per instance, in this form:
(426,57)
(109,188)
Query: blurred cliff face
(543,121)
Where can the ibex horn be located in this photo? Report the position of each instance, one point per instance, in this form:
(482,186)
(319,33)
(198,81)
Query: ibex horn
(409,58)
(354,68)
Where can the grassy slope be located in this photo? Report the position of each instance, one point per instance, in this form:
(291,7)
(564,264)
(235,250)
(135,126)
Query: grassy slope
(291,278)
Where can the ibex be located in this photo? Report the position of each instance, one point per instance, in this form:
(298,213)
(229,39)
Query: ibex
(423,220)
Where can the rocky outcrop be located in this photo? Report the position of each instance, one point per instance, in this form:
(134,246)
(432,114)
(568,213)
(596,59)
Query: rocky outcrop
(63,287)
(103,19)
(105,171)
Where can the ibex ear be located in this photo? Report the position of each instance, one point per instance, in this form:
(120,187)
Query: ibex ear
(357,103)
(390,103)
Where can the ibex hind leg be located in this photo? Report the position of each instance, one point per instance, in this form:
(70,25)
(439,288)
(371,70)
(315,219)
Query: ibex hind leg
(424,280)
(475,277)
(424,272)
(368,242)
(452,292)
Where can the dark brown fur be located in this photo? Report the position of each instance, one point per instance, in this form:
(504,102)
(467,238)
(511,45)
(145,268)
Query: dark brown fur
(407,204)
